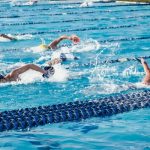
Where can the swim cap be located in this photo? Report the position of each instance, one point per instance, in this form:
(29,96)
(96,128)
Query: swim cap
(63,57)
(49,71)
(43,47)
(1,76)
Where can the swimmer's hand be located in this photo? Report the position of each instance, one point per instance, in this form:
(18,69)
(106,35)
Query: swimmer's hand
(54,62)
(74,38)
(142,61)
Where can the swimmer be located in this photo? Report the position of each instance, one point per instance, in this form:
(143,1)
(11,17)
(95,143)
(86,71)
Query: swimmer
(29,3)
(8,37)
(32,2)
(46,72)
(146,79)
(53,45)
(86,4)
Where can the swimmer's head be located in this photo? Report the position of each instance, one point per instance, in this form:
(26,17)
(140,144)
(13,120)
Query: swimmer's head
(1,77)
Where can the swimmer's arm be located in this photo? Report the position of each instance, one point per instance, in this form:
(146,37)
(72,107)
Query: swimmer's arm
(53,45)
(7,37)
(145,66)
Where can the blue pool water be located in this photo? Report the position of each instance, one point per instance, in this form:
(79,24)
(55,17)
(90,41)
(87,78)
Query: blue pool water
(108,31)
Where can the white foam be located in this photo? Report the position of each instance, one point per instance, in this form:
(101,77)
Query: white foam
(61,74)
(23,37)
(29,3)
(86,46)
(30,76)
(109,87)
(86,4)
(141,85)
(2,39)
(131,71)
(43,58)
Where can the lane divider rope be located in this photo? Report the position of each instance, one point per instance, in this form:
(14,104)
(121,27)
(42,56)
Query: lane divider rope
(72,20)
(73,111)
(74,13)
(119,60)
(82,29)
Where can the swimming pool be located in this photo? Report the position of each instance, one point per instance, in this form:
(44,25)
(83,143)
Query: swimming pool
(108,31)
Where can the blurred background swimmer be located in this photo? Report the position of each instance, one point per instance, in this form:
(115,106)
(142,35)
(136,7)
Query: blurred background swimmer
(32,2)
(86,4)
(10,37)
(29,3)
(7,37)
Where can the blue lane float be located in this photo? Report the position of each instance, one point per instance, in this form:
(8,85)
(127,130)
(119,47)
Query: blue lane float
(83,29)
(119,60)
(72,20)
(73,111)
(76,13)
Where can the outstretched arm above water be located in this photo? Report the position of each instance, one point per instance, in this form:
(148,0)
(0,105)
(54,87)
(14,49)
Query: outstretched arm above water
(145,66)
(73,38)
(14,75)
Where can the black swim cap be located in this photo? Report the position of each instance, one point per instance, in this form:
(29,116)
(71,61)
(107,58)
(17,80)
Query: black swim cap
(63,57)
(1,76)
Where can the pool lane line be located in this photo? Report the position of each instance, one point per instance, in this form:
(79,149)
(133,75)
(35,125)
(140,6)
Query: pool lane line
(74,13)
(119,60)
(82,29)
(125,39)
(21,119)
(73,20)
(101,41)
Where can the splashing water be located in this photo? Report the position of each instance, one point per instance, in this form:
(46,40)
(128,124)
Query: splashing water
(61,74)
(86,46)
(24,37)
